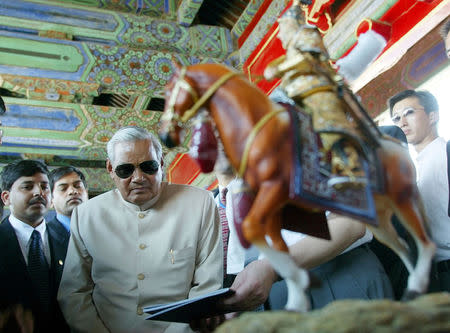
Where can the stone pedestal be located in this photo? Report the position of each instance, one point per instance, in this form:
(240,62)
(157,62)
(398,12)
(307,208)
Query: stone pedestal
(426,314)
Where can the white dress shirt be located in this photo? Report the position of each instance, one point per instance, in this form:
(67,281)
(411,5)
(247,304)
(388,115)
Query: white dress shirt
(236,253)
(432,181)
(23,232)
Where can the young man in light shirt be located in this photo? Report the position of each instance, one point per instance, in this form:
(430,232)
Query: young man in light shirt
(417,114)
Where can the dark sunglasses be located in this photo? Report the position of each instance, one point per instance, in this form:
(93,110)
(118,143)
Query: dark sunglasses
(126,170)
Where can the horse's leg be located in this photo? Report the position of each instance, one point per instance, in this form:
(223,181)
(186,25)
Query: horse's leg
(268,201)
(266,212)
(402,196)
(412,215)
(386,232)
(297,278)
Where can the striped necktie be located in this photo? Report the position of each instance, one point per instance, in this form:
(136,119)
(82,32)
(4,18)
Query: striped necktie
(225,228)
(39,271)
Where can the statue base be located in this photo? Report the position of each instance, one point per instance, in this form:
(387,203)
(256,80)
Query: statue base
(426,314)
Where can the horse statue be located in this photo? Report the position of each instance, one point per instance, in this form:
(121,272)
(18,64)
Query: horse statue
(313,150)
(257,136)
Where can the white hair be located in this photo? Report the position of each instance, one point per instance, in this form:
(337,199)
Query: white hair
(133,133)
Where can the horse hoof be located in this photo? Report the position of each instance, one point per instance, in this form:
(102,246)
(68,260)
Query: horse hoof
(410,295)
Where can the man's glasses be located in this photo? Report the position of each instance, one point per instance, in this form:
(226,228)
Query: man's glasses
(405,113)
(126,170)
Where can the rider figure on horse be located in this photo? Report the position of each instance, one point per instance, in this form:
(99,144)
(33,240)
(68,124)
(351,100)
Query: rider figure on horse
(308,79)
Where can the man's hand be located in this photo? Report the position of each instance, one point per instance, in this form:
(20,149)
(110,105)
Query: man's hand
(252,287)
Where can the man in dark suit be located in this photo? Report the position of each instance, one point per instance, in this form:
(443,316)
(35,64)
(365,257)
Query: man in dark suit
(68,186)
(31,258)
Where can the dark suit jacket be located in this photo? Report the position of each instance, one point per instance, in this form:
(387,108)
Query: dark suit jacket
(62,235)
(15,281)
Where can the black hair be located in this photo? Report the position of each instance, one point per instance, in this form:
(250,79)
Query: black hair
(394,131)
(22,168)
(426,99)
(2,106)
(2,205)
(58,173)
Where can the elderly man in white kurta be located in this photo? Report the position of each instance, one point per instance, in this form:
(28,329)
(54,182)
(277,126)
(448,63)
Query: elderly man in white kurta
(146,242)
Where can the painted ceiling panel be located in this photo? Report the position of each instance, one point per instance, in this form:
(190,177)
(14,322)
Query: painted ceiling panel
(61,126)
(140,7)
(187,11)
(36,56)
(26,116)
(50,14)
(129,30)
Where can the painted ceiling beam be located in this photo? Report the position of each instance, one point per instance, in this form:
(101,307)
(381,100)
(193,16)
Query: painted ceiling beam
(54,160)
(115,69)
(260,27)
(68,130)
(187,11)
(247,16)
(157,8)
(50,89)
(111,28)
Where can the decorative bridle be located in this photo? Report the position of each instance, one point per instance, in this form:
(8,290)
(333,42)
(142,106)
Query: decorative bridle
(173,117)
(181,83)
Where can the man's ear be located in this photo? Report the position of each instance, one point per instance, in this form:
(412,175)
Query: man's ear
(109,168)
(434,117)
(5,197)
(52,206)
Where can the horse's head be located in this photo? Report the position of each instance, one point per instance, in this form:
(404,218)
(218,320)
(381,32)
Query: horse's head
(180,97)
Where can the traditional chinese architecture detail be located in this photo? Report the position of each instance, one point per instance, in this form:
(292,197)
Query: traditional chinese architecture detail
(201,40)
(187,11)
(115,69)
(50,89)
(424,60)
(67,129)
(154,8)
(247,16)
(318,14)
(260,29)
(119,29)
(97,179)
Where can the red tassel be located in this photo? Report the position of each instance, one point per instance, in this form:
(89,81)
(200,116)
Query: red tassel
(204,146)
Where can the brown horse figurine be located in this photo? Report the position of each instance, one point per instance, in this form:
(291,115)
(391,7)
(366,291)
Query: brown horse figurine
(256,137)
